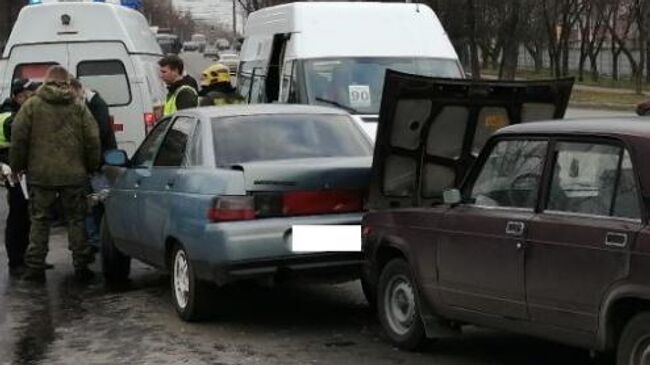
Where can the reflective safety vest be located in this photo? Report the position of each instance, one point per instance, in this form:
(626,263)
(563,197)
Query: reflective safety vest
(228,100)
(170,103)
(4,143)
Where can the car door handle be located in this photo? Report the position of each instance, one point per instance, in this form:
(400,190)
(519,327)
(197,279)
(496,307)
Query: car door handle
(169,185)
(613,239)
(515,228)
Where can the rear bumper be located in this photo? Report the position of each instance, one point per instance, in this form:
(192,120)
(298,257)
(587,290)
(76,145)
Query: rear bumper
(321,267)
(251,249)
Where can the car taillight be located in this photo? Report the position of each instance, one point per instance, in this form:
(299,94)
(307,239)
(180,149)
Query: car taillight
(295,203)
(149,122)
(232,208)
(320,202)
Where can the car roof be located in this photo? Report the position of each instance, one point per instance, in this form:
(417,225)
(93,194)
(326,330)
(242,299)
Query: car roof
(260,109)
(611,127)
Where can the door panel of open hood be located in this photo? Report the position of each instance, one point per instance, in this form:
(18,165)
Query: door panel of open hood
(431,130)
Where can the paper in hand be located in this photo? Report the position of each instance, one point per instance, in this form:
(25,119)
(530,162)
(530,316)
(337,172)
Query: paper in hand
(23,186)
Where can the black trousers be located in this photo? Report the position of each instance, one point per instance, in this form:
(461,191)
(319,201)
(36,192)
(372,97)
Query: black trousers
(18,225)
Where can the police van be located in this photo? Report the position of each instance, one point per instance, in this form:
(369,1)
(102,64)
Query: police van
(336,53)
(109,47)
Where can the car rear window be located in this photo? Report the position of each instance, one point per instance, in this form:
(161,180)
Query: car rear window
(108,77)
(280,137)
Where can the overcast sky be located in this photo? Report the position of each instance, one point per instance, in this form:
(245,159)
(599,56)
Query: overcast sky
(211,10)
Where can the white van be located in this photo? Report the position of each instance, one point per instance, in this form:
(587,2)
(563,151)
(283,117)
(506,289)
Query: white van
(110,48)
(336,53)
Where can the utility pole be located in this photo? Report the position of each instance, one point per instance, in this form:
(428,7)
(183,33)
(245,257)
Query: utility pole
(234,21)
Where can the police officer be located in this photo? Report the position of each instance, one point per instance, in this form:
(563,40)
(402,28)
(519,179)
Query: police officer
(55,141)
(17,227)
(181,92)
(216,88)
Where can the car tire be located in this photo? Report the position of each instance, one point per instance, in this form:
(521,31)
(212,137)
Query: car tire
(634,344)
(397,306)
(116,266)
(190,295)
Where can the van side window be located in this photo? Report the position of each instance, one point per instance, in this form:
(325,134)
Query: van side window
(32,71)
(288,88)
(252,77)
(108,77)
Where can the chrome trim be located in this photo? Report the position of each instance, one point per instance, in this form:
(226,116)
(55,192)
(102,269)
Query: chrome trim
(616,244)
(515,228)
(585,215)
(487,207)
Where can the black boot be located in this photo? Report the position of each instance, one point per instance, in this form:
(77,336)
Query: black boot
(34,275)
(83,273)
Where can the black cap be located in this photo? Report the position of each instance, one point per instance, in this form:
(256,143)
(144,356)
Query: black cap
(20,85)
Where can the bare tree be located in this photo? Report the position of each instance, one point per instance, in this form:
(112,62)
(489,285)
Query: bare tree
(511,40)
(533,33)
(593,25)
(250,6)
(473,49)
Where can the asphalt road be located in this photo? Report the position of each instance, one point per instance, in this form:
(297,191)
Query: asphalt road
(64,322)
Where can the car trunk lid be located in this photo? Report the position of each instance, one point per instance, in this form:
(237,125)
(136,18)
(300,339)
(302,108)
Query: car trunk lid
(431,130)
(306,186)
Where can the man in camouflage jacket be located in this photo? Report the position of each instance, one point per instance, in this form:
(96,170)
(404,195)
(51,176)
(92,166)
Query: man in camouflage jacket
(55,141)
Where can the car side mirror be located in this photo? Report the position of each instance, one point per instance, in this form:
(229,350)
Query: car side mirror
(452,197)
(116,158)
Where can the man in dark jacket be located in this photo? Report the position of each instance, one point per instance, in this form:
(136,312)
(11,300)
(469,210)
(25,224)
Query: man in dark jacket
(100,111)
(17,227)
(217,88)
(181,92)
(55,142)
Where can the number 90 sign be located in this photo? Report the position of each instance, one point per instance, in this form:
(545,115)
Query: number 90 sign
(360,96)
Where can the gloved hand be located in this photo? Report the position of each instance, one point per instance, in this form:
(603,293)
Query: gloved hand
(7,175)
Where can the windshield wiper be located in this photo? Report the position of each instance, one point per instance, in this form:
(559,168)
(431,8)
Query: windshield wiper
(349,109)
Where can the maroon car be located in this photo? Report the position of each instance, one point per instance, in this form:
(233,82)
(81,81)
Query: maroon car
(547,235)
(544,233)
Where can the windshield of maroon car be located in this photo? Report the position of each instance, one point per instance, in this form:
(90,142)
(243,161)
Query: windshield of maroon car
(286,136)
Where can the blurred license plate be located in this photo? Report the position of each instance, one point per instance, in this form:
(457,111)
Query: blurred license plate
(325,238)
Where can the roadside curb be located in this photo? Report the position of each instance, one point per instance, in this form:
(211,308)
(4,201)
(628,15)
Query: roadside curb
(619,107)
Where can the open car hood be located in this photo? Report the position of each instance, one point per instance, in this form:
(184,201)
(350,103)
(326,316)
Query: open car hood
(431,130)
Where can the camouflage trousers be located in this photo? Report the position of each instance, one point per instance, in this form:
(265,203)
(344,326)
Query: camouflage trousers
(42,204)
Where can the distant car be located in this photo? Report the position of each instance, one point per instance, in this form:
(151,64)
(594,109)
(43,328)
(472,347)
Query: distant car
(547,235)
(211,52)
(169,43)
(190,47)
(230,59)
(212,194)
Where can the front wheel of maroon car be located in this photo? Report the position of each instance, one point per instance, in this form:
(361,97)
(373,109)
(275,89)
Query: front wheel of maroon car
(634,345)
(190,296)
(398,307)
